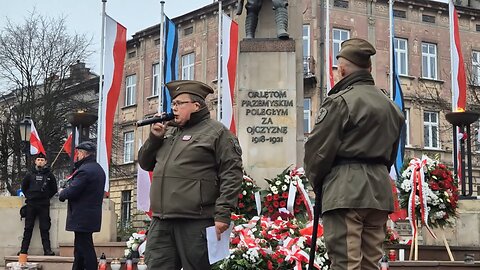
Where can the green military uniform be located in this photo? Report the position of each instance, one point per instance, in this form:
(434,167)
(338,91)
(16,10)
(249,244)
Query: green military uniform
(347,159)
(197,176)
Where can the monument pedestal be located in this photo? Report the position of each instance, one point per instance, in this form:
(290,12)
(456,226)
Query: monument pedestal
(270,107)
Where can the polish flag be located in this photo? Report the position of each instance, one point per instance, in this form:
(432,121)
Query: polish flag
(459,79)
(229,70)
(67,146)
(115,49)
(144,181)
(36,145)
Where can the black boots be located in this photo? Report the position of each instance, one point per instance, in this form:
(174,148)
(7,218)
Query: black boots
(48,252)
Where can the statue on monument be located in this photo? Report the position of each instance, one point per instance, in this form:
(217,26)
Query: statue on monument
(253,9)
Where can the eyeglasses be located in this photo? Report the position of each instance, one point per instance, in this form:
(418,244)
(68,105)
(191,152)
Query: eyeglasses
(179,103)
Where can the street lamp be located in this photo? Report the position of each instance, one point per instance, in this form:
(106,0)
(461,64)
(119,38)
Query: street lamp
(25,132)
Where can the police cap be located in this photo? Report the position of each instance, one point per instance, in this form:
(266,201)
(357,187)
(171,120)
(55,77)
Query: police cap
(188,86)
(40,155)
(357,51)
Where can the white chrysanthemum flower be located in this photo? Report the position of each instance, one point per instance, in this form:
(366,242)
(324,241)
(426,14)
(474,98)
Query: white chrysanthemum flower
(284,187)
(274,190)
(244,192)
(278,183)
(439,215)
(442,206)
(406,185)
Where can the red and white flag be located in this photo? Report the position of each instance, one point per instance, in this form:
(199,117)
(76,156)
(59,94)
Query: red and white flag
(36,145)
(67,146)
(229,70)
(459,79)
(144,181)
(114,57)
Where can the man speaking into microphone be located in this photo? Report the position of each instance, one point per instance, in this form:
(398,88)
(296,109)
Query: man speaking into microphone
(197,176)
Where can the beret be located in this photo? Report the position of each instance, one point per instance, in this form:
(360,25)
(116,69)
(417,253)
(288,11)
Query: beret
(357,51)
(87,146)
(188,86)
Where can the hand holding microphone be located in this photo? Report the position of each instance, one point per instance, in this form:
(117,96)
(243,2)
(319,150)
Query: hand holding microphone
(156,119)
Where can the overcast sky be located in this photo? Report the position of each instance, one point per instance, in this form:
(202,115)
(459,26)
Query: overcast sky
(84,16)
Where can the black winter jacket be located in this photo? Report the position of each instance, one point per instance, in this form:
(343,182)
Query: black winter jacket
(39,186)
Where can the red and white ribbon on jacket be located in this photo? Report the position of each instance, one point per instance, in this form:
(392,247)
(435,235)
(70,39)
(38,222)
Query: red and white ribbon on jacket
(417,179)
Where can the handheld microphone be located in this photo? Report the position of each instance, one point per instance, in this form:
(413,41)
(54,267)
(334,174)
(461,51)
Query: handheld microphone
(157,119)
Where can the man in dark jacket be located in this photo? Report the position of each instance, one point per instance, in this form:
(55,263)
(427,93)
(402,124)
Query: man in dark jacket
(348,157)
(197,176)
(39,186)
(84,193)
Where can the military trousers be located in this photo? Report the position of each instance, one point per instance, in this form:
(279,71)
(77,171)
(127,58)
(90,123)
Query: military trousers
(174,244)
(354,237)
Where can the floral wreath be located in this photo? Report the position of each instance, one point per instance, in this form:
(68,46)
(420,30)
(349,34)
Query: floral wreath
(428,190)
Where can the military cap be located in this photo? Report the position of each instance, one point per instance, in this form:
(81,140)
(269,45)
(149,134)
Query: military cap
(357,51)
(40,155)
(87,146)
(188,86)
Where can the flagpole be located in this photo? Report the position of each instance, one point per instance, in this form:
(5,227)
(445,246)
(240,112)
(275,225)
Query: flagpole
(100,80)
(161,57)
(219,68)
(392,49)
(59,152)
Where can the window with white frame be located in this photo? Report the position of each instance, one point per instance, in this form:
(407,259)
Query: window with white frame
(339,36)
(130,85)
(430,130)
(306,40)
(188,64)
(307,115)
(155,79)
(128,139)
(126,206)
(476,68)
(401,56)
(429,60)
(407,126)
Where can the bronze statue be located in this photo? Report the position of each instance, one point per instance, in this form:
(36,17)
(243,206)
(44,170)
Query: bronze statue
(253,9)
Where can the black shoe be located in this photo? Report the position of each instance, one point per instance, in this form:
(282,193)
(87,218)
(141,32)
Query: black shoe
(21,252)
(49,253)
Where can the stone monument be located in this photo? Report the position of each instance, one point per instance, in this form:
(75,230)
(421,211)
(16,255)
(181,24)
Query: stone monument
(270,95)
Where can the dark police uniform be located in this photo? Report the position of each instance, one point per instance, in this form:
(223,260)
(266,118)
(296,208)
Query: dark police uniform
(39,186)
(197,176)
(347,159)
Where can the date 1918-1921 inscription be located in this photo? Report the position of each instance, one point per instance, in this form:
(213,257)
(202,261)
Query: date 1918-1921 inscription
(266,106)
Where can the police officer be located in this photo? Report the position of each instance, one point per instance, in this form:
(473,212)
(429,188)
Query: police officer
(39,186)
(84,193)
(197,176)
(348,157)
